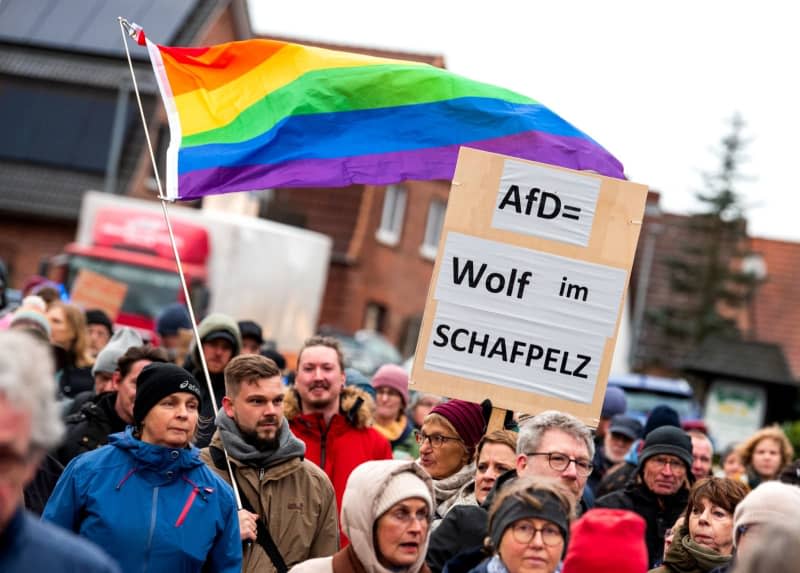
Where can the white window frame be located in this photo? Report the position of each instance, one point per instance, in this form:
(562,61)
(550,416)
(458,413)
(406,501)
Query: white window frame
(433,229)
(393,215)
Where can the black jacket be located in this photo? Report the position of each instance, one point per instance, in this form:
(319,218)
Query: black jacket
(208,408)
(659,512)
(38,491)
(90,427)
(616,478)
(463,529)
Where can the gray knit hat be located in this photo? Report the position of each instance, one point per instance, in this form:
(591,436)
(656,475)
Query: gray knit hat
(770,502)
(123,339)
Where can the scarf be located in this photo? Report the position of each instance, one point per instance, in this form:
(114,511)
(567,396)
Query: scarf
(392,431)
(288,448)
(686,556)
(446,489)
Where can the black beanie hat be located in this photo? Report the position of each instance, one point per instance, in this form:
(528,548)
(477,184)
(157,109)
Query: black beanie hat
(97,316)
(668,440)
(158,380)
(513,509)
(662,415)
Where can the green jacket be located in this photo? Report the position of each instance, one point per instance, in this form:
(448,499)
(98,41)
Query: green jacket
(686,556)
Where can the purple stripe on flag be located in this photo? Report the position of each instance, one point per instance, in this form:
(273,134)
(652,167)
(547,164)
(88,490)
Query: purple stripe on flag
(387,168)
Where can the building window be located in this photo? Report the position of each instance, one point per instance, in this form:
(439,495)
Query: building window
(375,317)
(433,229)
(394,209)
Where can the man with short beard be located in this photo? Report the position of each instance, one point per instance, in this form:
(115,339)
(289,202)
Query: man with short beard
(332,420)
(289,509)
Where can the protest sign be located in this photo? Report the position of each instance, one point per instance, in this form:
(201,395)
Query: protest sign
(528,285)
(95,291)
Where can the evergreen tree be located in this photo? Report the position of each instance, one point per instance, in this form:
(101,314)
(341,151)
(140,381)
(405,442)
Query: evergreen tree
(706,278)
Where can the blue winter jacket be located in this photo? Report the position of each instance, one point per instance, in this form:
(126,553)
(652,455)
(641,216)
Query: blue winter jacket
(27,544)
(151,508)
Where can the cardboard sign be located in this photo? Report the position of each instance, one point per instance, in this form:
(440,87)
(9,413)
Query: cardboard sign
(528,285)
(92,290)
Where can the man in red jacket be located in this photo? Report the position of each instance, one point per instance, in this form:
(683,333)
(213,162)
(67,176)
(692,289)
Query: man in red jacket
(334,421)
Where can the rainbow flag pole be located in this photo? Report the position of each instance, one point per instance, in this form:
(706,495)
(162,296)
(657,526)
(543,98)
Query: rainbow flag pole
(260,114)
(136,32)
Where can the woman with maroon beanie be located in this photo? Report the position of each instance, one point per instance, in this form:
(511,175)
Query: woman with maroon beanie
(447,442)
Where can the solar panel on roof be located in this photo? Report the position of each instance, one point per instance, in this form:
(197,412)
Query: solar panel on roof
(59,126)
(90,26)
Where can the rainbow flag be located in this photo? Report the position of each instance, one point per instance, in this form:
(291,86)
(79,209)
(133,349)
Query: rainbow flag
(262,114)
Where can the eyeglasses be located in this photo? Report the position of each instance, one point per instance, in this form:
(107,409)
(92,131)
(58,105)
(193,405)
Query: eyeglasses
(524,532)
(658,464)
(560,462)
(406,517)
(436,440)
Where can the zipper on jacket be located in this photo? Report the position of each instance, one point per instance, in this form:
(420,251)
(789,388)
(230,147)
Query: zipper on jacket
(323,443)
(189,501)
(260,474)
(187,506)
(153,514)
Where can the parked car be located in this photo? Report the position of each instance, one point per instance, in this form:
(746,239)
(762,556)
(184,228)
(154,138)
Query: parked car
(366,350)
(645,392)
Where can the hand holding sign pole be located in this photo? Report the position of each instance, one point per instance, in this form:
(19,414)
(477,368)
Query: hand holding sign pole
(528,285)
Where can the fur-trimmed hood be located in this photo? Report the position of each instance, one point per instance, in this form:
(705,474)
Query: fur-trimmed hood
(354,404)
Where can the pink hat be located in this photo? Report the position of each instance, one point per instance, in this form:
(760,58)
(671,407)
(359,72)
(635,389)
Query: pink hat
(394,377)
(607,541)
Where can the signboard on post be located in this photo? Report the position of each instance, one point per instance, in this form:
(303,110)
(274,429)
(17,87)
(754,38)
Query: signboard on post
(528,285)
(95,291)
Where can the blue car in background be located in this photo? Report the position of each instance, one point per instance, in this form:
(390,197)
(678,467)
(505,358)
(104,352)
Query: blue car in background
(644,392)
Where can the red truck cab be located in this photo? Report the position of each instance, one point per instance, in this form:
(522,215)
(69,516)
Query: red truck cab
(133,247)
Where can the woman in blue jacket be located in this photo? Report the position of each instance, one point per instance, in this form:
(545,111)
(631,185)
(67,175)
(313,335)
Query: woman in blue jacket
(147,498)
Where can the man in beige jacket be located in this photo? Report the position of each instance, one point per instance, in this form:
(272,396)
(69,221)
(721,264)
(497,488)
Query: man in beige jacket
(289,506)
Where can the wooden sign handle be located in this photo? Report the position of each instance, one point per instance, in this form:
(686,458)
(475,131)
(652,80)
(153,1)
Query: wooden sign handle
(496,420)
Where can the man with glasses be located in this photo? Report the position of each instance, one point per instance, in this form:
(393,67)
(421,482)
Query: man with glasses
(551,444)
(659,491)
(557,445)
(29,426)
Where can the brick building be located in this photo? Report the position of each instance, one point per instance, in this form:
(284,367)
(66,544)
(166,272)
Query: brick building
(775,313)
(768,318)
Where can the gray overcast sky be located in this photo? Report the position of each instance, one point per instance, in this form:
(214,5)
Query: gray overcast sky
(654,83)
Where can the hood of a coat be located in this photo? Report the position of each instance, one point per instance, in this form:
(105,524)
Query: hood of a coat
(156,459)
(359,508)
(211,323)
(354,404)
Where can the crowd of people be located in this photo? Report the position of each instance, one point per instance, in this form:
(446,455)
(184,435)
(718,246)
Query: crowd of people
(119,455)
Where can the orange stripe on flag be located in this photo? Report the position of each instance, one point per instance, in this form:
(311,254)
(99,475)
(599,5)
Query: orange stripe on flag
(215,66)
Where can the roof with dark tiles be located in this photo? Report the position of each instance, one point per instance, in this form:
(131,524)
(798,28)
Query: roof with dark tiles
(65,60)
(740,359)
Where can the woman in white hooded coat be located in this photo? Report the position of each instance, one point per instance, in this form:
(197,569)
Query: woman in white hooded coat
(386,512)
